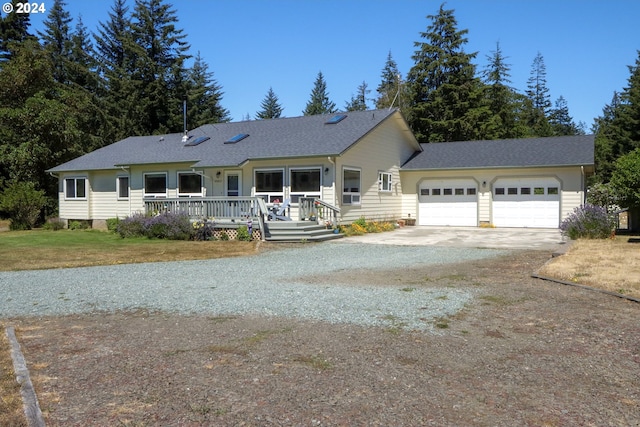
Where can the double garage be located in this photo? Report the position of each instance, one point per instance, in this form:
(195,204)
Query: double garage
(511,202)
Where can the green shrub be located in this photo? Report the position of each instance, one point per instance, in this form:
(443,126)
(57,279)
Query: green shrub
(54,224)
(589,222)
(78,225)
(361,222)
(224,236)
(203,230)
(112,224)
(243,233)
(22,203)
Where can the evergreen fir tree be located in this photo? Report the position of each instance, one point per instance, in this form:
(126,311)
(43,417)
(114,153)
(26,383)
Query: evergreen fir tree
(271,108)
(159,68)
(319,102)
(14,28)
(205,95)
(446,97)
(502,99)
(56,39)
(606,134)
(540,102)
(561,122)
(358,102)
(388,88)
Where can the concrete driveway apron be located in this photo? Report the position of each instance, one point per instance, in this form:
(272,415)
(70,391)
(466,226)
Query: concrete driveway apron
(503,238)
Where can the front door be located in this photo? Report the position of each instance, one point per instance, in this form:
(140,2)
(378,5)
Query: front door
(233,184)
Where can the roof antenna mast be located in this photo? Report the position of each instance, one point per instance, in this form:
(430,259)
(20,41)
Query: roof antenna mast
(185,137)
(397,93)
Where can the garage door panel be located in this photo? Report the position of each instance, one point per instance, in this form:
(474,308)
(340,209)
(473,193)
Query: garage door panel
(448,202)
(537,206)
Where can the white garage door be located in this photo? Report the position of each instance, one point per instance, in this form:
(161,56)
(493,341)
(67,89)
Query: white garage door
(448,202)
(526,202)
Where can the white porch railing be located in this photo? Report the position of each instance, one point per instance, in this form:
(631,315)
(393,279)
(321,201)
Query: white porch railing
(318,208)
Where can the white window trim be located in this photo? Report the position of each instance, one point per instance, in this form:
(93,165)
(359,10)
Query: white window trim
(270,195)
(118,197)
(355,197)
(305,193)
(75,186)
(381,182)
(144,182)
(202,189)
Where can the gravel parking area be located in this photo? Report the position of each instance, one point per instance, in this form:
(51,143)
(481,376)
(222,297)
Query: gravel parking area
(271,284)
(327,335)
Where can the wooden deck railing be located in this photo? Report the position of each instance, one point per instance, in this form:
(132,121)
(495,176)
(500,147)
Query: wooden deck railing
(318,208)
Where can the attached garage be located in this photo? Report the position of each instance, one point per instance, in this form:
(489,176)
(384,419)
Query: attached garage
(528,182)
(532,202)
(451,202)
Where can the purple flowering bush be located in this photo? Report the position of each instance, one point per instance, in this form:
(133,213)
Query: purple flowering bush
(588,222)
(165,225)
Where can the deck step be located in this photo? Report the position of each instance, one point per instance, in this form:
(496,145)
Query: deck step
(298,231)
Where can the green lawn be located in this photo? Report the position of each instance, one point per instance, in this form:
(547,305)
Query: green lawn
(41,249)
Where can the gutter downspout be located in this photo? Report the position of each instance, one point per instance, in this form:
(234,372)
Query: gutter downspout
(584,185)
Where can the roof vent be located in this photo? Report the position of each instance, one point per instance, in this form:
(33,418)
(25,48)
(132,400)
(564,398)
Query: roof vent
(239,137)
(336,119)
(199,140)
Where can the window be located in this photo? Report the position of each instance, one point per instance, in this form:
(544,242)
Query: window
(538,191)
(305,180)
(351,186)
(270,183)
(512,191)
(155,184)
(459,191)
(552,190)
(75,188)
(500,191)
(384,181)
(336,119)
(471,191)
(525,190)
(122,187)
(447,192)
(197,141)
(435,191)
(424,191)
(189,184)
(237,138)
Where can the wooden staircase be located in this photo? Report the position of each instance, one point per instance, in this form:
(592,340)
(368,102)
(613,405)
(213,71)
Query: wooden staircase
(297,231)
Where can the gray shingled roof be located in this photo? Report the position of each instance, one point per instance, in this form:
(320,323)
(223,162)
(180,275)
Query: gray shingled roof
(505,153)
(305,136)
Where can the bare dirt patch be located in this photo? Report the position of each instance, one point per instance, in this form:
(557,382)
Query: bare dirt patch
(525,352)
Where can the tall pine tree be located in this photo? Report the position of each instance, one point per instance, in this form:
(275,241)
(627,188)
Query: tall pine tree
(14,29)
(359,101)
(446,96)
(319,102)
(539,106)
(389,87)
(502,99)
(56,39)
(271,108)
(159,66)
(204,96)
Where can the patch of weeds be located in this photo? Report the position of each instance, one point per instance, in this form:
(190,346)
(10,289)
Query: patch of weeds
(396,325)
(453,277)
(494,299)
(442,297)
(408,289)
(441,323)
(227,349)
(314,361)
(220,319)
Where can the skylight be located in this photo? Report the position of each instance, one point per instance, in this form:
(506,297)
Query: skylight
(336,119)
(197,141)
(237,138)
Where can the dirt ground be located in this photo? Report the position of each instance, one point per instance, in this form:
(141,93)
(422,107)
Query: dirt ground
(526,352)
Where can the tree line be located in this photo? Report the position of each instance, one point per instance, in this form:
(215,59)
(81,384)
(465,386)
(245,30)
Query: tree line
(66,91)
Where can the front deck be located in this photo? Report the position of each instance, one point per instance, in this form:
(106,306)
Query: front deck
(309,218)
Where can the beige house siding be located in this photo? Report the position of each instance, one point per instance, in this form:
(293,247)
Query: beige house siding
(571,181)
(73,209)
(383,150)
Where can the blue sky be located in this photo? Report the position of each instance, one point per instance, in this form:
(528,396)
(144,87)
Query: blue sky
(252,45)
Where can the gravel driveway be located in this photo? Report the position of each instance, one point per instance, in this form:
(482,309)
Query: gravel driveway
(271,284)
